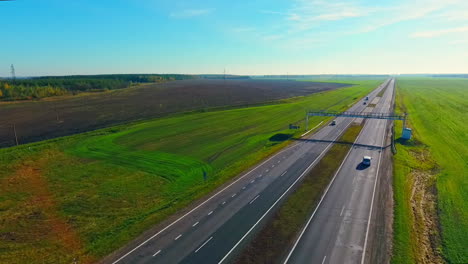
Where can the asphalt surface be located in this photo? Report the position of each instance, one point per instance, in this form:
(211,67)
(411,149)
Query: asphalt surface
(338,230)
(215,229)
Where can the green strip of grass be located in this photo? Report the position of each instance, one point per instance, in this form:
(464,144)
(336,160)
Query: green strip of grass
(381,93)
(438,114)
(269,245)
(115,183)
(403,233)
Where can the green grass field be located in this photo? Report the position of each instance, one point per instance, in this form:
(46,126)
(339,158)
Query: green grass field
(438,109)
(86,195)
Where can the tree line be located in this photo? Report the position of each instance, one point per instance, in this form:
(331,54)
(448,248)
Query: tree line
(40,87)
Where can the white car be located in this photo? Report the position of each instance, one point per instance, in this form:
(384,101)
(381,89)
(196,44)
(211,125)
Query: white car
(366,160)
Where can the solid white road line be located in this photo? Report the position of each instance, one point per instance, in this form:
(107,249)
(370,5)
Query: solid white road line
(285,192)
(254,199)
(200,205)
(198,249)
(179,236)
(342,209)
(157,252)
(321,198)
(307,132)
(373,194)
(283,173)
(195,224)
(323,260)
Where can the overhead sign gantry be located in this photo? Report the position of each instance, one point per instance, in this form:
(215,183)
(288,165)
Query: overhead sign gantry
(370,115)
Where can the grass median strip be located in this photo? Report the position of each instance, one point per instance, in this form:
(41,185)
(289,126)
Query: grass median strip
(269,244)
(381,93)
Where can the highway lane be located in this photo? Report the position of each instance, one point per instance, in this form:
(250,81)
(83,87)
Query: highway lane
(337,232)
(223,219)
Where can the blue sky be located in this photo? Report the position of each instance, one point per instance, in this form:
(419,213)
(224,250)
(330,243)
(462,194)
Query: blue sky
(57,37)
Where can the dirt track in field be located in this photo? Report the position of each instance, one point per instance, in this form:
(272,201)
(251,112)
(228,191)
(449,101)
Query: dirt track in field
(47,230)
(55,117)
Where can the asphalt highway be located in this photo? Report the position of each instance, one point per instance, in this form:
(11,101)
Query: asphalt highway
(219,225)
(337,232)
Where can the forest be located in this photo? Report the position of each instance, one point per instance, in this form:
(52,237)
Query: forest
(40,87)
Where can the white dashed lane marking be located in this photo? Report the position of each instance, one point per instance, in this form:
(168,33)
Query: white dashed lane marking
(254,199)
(198,249)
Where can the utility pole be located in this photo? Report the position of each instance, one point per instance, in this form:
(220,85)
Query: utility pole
(56,112)
(13,74)
(16,136)
(224,76)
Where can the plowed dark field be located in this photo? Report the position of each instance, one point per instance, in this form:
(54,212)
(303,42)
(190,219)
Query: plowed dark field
(55,117)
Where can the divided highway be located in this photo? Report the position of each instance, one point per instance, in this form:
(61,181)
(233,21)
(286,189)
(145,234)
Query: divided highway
(338,230)
(216,228)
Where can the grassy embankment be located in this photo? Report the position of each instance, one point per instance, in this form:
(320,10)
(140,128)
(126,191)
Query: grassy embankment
(431,172)
(270,245)
(84,196)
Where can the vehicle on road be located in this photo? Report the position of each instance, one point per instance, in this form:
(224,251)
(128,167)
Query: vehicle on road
(367,98)
(364,103)
(366,160)
(333,123)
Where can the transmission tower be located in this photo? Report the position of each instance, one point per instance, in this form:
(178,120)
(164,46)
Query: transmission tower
(13,75)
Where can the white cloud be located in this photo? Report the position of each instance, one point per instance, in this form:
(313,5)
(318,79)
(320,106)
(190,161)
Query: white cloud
(460,41)
(408,11)
(188,13)
(306,21)
(294,17)
(437,33)
(307,14)
(456,14)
